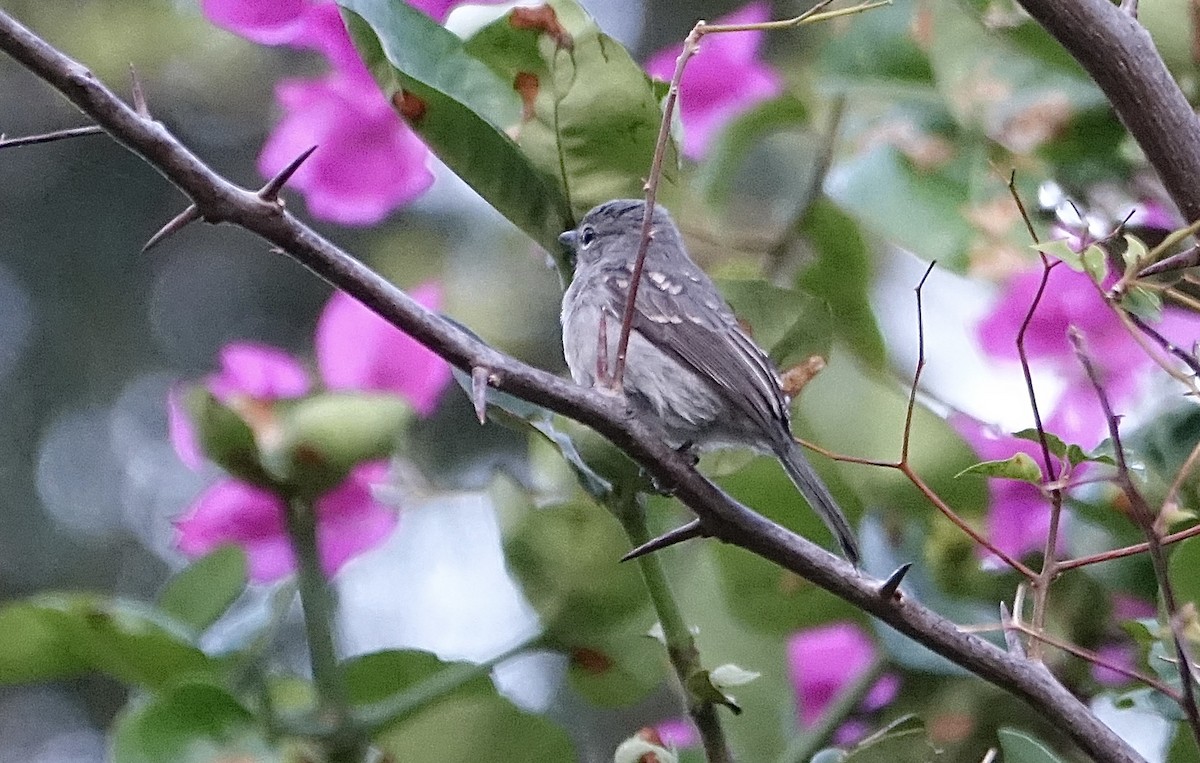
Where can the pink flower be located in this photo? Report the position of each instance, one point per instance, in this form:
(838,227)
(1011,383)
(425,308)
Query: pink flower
(679,733)
(268,22)
(1124,655)
(356,349)
(248,373)
(726,78)
(368,162)
(1072,299)
(823,661)
(349,522)
(298,23)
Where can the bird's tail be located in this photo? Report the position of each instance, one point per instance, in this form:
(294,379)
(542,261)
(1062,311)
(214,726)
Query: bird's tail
(817,495)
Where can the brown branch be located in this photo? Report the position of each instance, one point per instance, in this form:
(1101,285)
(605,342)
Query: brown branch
(1118,54)
(1121,553)
(1089,656)
(221,201)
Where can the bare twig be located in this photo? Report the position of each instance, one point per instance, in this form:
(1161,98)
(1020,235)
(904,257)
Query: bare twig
(222,201)
(1041,586)
(50,137)
(1095,659)
(691,45)
(1120,553)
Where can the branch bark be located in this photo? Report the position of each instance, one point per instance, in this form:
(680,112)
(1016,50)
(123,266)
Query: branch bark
(1117,53)
(219,201)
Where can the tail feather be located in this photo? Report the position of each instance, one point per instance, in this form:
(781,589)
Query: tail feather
(814,491)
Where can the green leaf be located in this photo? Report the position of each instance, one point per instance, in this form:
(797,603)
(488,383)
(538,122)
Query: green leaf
(225,437)
(592,115)
(618,667)
(194,723)
(735,141)
(475,728)
(1019,466)
(1093,260)
(790,324)
(1019,747)
(1143,303)
(917,209)
(199,594)
(58,636)
(1015,90)
(903,741)
(566,559)
(323,437)
(1182,567)
(1135,255)
(841,275)
(392,686)
(1074,454)
(461,109)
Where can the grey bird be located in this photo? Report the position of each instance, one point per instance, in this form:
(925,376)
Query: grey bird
(689,365)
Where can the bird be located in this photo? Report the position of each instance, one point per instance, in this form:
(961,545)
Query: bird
(689,364)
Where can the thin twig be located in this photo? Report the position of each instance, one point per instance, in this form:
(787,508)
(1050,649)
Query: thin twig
(912,390)
(1144,519)
(1183,355)
(1095,659)
(50,137)
(1041,588)
(1121,553)
(690,47)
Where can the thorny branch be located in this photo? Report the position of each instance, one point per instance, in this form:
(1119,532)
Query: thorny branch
(218,200)
(1144,518)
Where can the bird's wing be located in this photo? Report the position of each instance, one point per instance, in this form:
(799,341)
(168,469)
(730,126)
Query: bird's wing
(691,322)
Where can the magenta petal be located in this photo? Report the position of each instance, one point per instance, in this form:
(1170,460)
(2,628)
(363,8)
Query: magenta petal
(824,660)
(350,520)
(1123,655)
(269,22)
(236,512)
(368,164)
(724,79)
(356,349)
(180,430)
(257,371)
(680,733)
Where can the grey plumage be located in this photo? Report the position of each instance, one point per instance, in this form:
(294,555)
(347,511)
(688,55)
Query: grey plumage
(689,364)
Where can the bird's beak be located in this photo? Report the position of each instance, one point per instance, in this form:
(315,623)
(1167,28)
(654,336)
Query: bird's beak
(568,239)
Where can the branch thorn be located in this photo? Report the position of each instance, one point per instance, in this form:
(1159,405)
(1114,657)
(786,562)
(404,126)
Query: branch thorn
(691,530)
(139,94)
(270,191)
(178,222)
(891,586)
(479,383)
(1012,636)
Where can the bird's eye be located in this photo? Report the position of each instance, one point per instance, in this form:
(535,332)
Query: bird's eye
(587,236)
